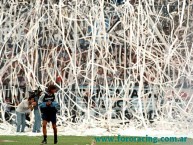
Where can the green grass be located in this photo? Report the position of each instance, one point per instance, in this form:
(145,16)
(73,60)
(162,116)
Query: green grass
(72,140)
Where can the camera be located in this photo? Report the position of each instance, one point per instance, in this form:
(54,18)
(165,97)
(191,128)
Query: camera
(35,93)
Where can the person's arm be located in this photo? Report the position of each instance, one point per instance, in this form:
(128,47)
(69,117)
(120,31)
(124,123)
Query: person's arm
(55,104)
(35,103)
(40,100)
(41,104)
(27,106)
(31,106)
(56,98)
(22,105)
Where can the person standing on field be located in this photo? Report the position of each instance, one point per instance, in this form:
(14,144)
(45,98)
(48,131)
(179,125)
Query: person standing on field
(49,107)
(37,115)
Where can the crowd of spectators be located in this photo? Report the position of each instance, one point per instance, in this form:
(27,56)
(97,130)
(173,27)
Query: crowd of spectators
(38,56)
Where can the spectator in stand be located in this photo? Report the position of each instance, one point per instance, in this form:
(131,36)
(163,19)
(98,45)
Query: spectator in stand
(14,104)
(87,99)
(24,107)
(7,107)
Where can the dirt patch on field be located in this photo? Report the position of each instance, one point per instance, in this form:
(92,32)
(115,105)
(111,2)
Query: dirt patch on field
(7,141)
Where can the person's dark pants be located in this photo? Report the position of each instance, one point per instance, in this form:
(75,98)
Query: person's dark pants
(49,114)
(7,116)
(49,117)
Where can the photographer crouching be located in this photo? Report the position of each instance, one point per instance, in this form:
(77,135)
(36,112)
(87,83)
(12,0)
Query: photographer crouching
(49,107)
(24,107)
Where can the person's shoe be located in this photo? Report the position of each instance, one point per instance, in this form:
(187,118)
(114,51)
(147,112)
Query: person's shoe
(44,142)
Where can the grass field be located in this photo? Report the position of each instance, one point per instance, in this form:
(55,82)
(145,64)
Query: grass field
(71,140)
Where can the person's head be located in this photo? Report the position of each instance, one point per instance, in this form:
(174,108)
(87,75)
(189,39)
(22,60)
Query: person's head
(52,89)
(31,99)
(7,99)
